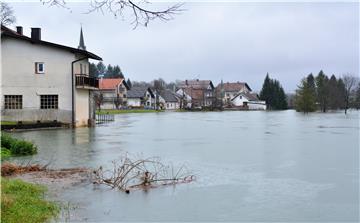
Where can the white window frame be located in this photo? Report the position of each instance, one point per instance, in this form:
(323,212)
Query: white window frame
(37,68)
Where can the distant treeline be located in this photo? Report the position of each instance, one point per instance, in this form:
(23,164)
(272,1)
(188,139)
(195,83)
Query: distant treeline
(109,71)
(324,93)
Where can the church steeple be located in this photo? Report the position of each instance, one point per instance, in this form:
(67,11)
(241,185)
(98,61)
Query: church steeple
(81,43)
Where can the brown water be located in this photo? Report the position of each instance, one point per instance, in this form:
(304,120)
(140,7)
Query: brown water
(251,166)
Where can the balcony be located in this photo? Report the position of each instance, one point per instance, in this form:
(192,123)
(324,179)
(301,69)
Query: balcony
(86,82)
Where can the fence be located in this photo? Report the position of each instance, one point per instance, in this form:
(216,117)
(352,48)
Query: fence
(101,118)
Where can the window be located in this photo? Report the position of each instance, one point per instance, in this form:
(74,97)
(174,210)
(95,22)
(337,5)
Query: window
(81,69)
(13,102)
(49,101)
(39,68)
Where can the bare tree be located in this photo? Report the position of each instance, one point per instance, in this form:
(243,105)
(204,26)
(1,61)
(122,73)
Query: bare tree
(349,82)
(7,14)
(128,174)
(142,15)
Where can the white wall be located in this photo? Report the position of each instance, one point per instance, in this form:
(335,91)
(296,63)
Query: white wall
(239,100)
(258,105)
(172,105)
(82,107)
(133,102)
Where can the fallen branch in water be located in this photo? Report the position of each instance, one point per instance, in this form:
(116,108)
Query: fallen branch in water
(127,173)
(9,169)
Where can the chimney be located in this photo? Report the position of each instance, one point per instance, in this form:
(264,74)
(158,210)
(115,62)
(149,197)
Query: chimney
(36,33)
(186,82)
(19,30)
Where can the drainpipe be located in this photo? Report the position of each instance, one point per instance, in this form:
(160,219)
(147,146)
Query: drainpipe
(73,92)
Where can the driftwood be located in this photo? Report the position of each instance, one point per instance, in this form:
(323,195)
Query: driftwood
(128,174)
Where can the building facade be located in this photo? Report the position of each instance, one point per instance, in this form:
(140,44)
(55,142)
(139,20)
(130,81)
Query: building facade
(45,81)
(113,92)
(201,92)
(141,97)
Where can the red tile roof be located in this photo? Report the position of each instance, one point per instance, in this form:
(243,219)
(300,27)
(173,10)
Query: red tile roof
(237,86)
(109,83)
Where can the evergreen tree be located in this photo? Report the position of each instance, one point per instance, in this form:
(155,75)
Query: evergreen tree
(333,93)
(310,80)
(93,71)
(265,93)
(357,96)
(322,90)
(273,93)
(117,73)
(129,83)
(341,93)
(305,99)
(109,71)
(101,68)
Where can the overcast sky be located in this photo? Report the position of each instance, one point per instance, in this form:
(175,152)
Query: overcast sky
(229,41)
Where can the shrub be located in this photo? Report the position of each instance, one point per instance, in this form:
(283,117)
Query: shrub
(5,153)
(7,141)
(17,146)
(22,147)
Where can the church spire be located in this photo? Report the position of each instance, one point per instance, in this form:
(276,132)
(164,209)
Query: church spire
(81,43)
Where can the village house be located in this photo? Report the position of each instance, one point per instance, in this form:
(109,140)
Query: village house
(247,100)
(228,91)
(141,97)
(239,95)
(168,100)
(201,92)
(45,81)
(113,93)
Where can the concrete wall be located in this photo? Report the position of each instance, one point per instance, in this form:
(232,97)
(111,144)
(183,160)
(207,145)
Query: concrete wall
(82,114)
(133,102)
(259,105)
(18,77)
(172,105)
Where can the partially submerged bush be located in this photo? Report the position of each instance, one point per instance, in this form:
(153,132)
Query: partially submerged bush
(5,153)
(7,140)
(17,146)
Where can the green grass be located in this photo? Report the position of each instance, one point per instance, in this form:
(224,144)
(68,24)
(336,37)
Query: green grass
(17,147)
(8,123)
(5,153)
(24,202)
(114,111)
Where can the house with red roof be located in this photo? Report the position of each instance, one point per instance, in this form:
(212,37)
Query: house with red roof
(113,93)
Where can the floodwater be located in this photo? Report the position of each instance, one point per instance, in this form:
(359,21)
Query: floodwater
(250,166)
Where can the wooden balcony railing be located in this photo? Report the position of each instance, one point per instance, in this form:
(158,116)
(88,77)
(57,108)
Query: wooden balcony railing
(84,81)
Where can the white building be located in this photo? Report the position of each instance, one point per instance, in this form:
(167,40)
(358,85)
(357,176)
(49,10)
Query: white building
(168,100)
(248,101)
(140,97)
(228,91)
(45,81)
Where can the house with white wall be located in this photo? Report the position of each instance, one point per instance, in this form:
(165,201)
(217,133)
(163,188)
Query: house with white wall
(45,81)
(228,91)
(140,97)
(168,100)
(247,100)
(113,92)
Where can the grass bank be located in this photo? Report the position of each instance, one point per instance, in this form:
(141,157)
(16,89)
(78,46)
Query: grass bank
(24,202)
(114,111)
(11,146)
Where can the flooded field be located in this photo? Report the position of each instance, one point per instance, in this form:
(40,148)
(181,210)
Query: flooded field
(250,166)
